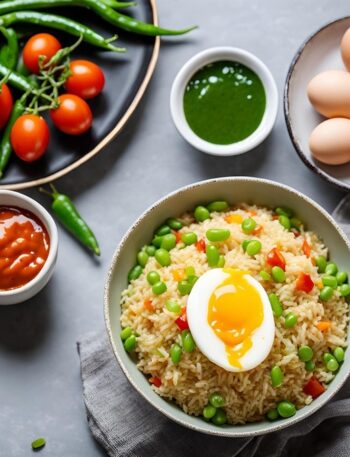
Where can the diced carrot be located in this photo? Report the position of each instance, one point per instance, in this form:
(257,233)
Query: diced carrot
(177,236)
(276,259)
(200,245)
(234,218)
(258,229)
(319,284)
(178,275)
(157,382)
(323,326)
(314,388)
(148,305)
(252,212)
(295,232)
(304,283)
(306,248)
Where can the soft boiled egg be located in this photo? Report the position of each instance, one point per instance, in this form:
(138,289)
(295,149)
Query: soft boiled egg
(230,318)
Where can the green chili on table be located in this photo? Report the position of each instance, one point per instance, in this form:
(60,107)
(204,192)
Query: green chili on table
(9,51)
(68,215)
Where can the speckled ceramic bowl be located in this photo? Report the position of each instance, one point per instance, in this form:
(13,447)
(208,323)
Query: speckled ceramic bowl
(234,190)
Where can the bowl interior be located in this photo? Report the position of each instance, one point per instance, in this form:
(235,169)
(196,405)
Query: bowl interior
(321,52)
(234,190)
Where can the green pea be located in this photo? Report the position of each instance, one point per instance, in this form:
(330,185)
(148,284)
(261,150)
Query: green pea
(248,225)
(201,214)
(332,365)
(174,224)
(284,211)
(326,293)
(189,238)
(168,242)
(331,269)
(184,287)
(272,415)
(290,320)
(151,250)
(125,333)
(253,248)
(327,356)
(142,258)
(188,343)
(295,223)
(216,400)
(309,365)
(192,279)
(330,281)
(209,412)
(163,230)
(135,272)
(173,306)
(276,376)
(339,354)
(213,255)
(175,353)
(157,241)
(159,288)
(321,263)
(286,409)
(305,353)
(153,277)
(130,343)
(278,274)
(344,290)
(284,221)
(276,305)
(220,417)
(218,206)
(218,234)
(38,443)
(221,262)
(245,244)
(190,271)
(341,277)
(163,257)
(265,275)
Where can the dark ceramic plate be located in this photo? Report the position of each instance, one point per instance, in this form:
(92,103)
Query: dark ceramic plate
(127,76)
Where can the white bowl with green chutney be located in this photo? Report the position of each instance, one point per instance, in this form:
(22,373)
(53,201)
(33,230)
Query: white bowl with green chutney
(224,101)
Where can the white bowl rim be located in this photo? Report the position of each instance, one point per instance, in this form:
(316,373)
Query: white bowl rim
(51,227)
(270,426)
(212,55)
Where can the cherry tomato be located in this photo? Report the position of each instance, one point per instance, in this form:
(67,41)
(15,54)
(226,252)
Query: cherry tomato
(6,104)
(41,44)
(304,283)
(276,259)
(30,137)
(73,116)
(86,80)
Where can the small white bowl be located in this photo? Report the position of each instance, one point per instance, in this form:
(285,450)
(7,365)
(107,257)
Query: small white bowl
(199,61)
(23,293)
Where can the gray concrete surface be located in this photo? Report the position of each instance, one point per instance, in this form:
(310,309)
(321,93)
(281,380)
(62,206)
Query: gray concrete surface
(40,389)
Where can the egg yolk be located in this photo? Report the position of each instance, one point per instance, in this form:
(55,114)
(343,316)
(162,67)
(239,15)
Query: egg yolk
(235,311)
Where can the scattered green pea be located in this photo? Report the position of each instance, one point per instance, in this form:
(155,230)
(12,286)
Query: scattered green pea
(278,274)
(175,353)
(142,258)
(331,269)
(209,411)
(332,365)
(173,306)
(321,263)
(159,288)
(192,279)
(265,275)
(38,443)
(245,244)
(218,234)
(125,333)
(284,211)
(276,376)
(341,277)
(190,271)
(286,409)
(221,262)
(213,255)
(188,343)
(163,230)
(135,272)
(344,290)
(151,250)
(157,241)
(168,242)
(295,223)
(248,225)
(130,343)
(163,257)
(326,293)
(284,221)
(220,417)
(153,277)
(275,305)
(309,365)
(339,354)
(189,238)
(253,248)
(305,353)
(174,224)
(272,415)
(184,287)
(327,356)
(216,400)
(218,206)
(290,320)
(329,281)
(201,214)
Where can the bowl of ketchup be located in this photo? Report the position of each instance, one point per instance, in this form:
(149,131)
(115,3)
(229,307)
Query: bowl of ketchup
(28,247)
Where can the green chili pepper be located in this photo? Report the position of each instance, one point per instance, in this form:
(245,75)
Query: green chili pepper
(9,52)
(5,145)
(127,23)
(18,81)
(60,23)
(68,215)
(118,5)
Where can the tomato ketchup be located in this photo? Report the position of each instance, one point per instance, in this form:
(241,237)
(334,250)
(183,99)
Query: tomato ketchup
(24,247)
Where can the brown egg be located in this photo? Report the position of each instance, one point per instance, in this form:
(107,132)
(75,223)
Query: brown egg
(329,93)
(330,141)
(345,49)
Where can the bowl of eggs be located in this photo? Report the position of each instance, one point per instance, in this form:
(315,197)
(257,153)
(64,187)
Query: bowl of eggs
(226,305)
(316,102)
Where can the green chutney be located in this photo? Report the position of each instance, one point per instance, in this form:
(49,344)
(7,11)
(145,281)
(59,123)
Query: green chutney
(224,102)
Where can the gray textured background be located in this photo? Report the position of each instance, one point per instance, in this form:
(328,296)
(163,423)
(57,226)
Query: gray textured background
(40,390)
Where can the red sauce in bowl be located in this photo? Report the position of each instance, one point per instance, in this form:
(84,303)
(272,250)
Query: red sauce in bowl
(24,247)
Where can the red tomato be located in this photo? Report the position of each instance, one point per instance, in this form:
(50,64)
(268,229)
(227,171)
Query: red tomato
(86,80)
(314,388)
(6,104)
(41,44)
(304,283)
(276,259)
(30,137)
(73,116)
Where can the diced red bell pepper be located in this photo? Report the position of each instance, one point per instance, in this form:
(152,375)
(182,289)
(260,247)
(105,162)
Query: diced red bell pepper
(157,382)
(276,259)
(304,283)
(200,245)
(314,388)
(306,248)
(182,323)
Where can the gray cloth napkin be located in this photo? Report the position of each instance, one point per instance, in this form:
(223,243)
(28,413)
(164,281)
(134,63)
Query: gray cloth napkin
(127,426)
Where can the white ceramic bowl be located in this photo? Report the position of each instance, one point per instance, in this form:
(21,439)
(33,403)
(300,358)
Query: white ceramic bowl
(23,293)
(199,61)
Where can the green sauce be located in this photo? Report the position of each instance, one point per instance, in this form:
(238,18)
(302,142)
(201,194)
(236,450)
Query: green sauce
(224,102)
